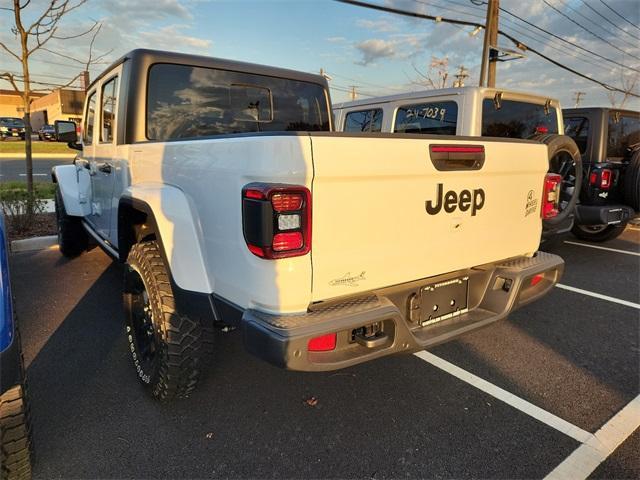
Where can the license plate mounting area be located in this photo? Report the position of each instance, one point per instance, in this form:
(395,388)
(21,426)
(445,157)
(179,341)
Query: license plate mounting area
(443,300)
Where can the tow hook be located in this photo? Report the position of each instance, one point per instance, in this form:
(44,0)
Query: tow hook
(369,336)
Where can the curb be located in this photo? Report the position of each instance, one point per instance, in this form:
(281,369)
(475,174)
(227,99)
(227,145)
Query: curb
(35,243)
(22,156)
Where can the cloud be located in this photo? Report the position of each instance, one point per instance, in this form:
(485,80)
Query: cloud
(148,9)
(375,49)
(336,39)
(377,25)
(172,38)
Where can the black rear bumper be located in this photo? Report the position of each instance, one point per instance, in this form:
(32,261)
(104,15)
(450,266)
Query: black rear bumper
(493,292)
(603,214)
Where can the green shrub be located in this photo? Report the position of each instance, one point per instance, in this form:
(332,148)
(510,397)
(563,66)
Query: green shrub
(19,207)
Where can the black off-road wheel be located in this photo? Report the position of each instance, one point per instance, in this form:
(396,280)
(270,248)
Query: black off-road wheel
(598,233)
(73,239)
(167,348)
(565,160)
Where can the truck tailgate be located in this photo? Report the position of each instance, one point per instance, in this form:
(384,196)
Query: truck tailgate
(371,224)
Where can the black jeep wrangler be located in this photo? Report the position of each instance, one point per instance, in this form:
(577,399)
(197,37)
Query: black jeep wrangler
(609,141)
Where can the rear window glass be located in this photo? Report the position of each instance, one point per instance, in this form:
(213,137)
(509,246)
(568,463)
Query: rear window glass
(433,118)
(187,102)
(364,121)
(578,129)
(624,131)
(517,119)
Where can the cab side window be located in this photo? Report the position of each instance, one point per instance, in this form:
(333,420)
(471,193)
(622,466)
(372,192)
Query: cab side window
(109,102)
(90,118)
(364,121)
(578,129)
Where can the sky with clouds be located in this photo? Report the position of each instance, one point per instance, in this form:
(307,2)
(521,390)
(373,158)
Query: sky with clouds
(380,53)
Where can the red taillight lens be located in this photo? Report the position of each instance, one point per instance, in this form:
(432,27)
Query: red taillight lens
(287,202)
(276,220)
(593,178)
(551,195)
(536,279)
(287,241)
(325,343)
(605,179)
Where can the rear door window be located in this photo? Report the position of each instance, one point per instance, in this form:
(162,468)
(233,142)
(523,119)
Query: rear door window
(433,118)
(364,121)
(109,101)
(516,119)
(624,131)
(578,129)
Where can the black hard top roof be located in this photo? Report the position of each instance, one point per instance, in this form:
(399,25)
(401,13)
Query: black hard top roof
(146,56)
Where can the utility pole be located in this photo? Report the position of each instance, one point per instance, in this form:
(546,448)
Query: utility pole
(577,98)
(460,76)
(353,93)
(490,41)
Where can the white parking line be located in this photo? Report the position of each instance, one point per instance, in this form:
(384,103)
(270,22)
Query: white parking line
(603,248)
(595,448)
(599,295)
(529,408)
(586,458)
(35,174)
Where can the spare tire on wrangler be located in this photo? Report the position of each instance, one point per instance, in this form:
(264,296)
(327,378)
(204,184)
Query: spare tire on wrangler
(632,182)
(566,161)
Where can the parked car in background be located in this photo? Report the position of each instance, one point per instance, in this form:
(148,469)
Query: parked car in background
(46,132)
(474,112)
(206,178)
(609,141)
(12,127)
(15,431)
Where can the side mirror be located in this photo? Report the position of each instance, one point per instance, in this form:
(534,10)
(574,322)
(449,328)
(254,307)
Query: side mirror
(65,131)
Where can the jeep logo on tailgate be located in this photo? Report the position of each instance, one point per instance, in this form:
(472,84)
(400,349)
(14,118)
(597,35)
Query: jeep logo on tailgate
(451,201)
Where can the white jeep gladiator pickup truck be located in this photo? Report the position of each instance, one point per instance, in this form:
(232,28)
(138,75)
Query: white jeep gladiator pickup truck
(223,190)
(474,112)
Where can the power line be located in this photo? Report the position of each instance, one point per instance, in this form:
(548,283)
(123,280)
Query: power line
(567,41)
(587,30)
(614,11)
(562,2)
(586,4)
(510,37)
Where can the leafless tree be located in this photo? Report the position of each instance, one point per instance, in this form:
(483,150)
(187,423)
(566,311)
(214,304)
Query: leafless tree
(31,38)
(437,75)
(628,82)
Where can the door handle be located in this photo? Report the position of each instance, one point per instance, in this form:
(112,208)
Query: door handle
(105,168)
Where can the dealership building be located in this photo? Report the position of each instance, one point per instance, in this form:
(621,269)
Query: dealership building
(60,104)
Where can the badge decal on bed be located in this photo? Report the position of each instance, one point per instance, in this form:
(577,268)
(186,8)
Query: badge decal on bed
(532,204)
(348,280)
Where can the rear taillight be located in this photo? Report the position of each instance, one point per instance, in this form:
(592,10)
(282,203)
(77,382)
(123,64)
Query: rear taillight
(601,179)
(551,195)
(276,220)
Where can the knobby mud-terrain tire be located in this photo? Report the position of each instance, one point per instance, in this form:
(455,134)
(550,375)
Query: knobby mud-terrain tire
(73,239)
(632,182)
(167,347)
(565,160)
(598,233)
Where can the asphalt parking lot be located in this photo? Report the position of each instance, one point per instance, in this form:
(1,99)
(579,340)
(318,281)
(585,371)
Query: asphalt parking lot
(553,387)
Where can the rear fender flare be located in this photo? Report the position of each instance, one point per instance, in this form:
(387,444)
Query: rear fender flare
(163,212)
